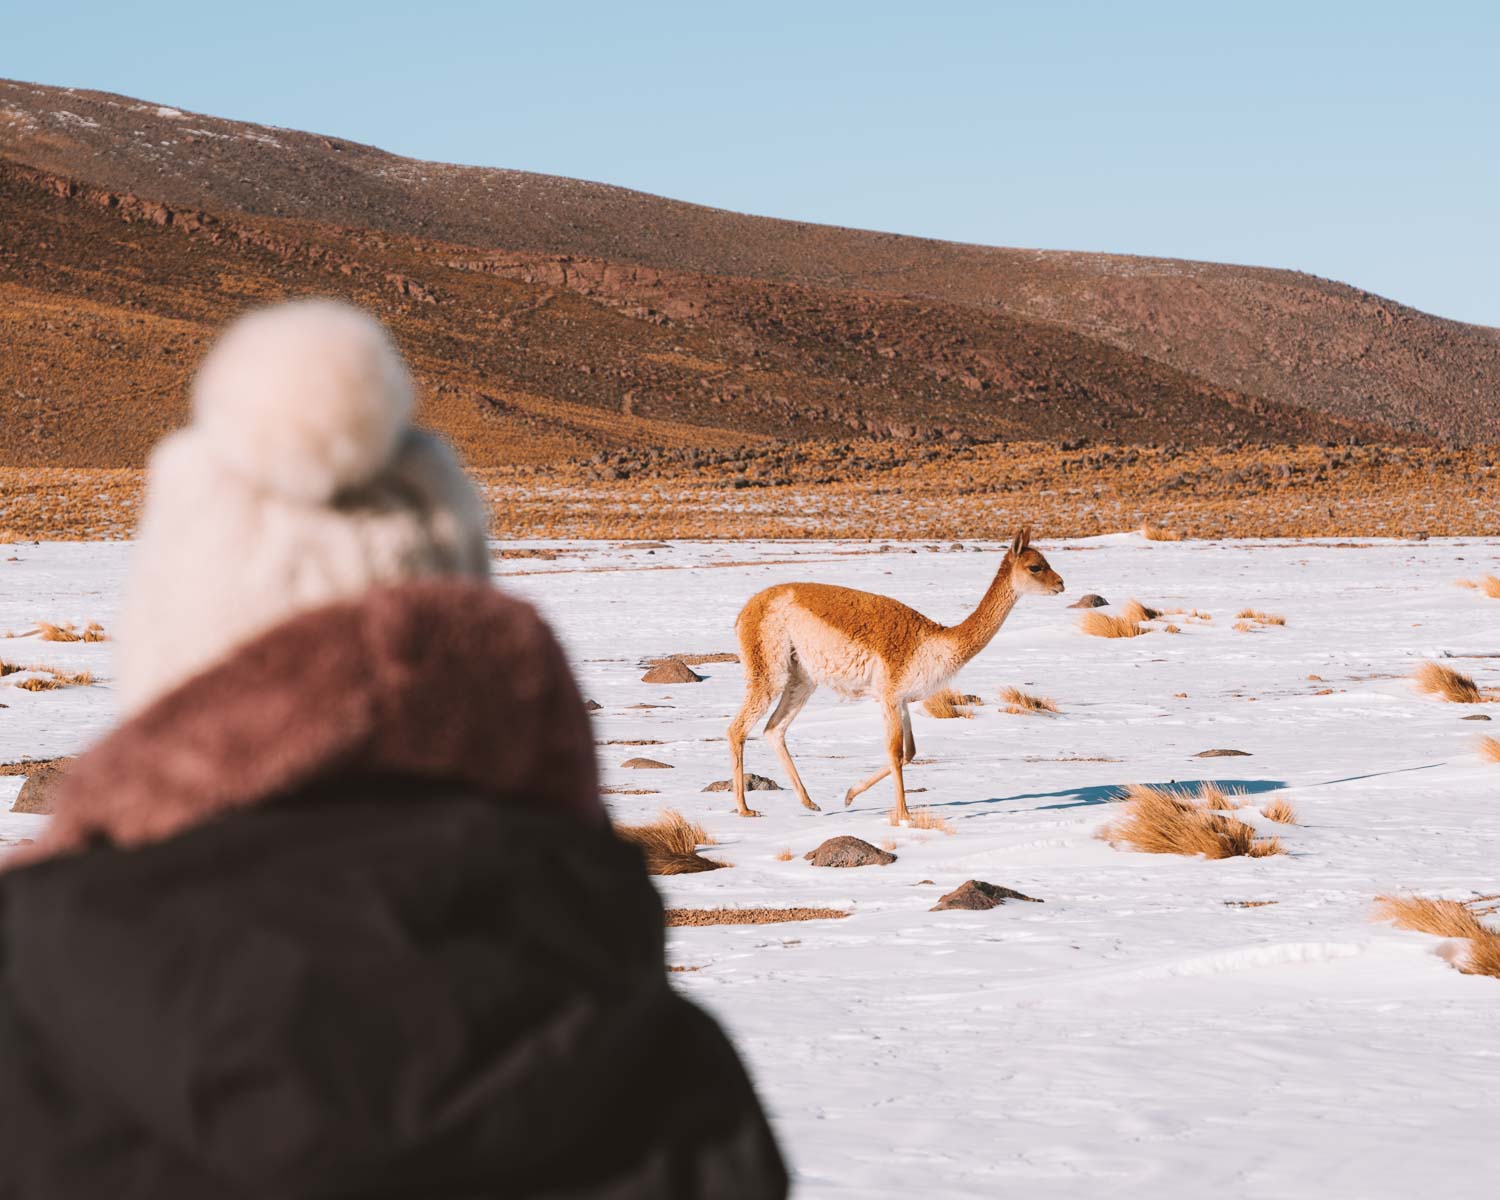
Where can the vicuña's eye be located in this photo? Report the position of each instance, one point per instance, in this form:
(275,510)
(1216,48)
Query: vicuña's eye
(1034,569)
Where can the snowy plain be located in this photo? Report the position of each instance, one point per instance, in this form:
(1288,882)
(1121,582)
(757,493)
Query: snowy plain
(1138,1033)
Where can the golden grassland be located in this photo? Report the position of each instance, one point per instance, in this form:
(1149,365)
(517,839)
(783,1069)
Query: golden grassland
(888,489)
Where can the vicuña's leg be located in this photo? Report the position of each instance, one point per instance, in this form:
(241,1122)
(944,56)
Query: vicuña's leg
(906,746)
(758,695)
(799,690)
(895,747)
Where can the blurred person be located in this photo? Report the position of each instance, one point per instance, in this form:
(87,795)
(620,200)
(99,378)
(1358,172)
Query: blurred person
(336,911)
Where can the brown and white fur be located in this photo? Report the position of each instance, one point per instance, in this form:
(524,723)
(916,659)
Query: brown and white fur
(796,636)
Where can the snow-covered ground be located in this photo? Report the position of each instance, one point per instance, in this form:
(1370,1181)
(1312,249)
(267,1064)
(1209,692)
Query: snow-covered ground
(1138,1034)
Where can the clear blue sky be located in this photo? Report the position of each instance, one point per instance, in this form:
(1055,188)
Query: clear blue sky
(1357,140)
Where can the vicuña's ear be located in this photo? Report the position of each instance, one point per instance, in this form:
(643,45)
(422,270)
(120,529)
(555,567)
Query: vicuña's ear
(1018,543)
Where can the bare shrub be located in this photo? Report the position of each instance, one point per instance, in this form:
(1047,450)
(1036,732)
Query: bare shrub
(1159,821)
(670,844)
(1021,703)
(1446,683)
(1098,624)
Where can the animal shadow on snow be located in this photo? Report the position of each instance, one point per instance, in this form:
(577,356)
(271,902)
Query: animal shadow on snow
(1106,793)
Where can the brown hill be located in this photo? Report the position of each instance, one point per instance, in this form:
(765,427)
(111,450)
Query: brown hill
(1225,332)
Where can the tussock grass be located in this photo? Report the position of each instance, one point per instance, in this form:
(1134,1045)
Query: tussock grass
(1280,811)
(50,680)
(924,818)
(1134,610)
(1099,624)
(889,845)
(670,844)
(48,632)
(1172,629)
(1447,919)
(1489,749)
(1444,682)
(948,704)
(784,854)
(1260,618)
(1488,584)
(1159,533)
(1023,703)
(1159,821)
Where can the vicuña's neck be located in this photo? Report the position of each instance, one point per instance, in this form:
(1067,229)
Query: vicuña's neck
(973,633)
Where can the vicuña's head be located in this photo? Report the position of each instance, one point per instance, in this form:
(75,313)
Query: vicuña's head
(1030,573)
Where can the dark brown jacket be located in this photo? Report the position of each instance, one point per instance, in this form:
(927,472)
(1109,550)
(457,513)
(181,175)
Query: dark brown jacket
(343,917)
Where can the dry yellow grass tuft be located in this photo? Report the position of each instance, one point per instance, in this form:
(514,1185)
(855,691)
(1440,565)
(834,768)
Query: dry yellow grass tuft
(948,703)
(1159,821)
(1158,533)
(1172,629)
(1280,811)
(1022,703)
(1448,919)
(670,844)
(784,854)
(1261,618)
(48,632)
(924,818)
(54,680)
(888,844)
(1488,584)
(1098,624)
(1489,749)
(1134,610)
(1435,679)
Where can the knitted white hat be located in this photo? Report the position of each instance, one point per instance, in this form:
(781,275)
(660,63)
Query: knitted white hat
(298,482)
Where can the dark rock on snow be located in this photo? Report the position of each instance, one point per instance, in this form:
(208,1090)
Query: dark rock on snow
(672,671)
(976,894)
(847,851)
(753,783)
(36,793)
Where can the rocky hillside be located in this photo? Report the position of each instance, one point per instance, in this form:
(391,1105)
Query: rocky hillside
(553,317)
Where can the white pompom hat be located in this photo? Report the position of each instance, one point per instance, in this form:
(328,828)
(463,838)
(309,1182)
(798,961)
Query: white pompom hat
(298,482)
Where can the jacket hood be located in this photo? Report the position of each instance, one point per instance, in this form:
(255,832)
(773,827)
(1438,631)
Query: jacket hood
(446,681)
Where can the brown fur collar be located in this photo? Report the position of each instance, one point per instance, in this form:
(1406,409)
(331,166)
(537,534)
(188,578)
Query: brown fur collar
(449,681)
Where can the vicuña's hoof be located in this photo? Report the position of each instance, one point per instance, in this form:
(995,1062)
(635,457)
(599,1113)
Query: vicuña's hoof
(749,812)
(848,797)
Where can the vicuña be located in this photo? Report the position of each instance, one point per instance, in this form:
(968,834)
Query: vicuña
(795,636)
